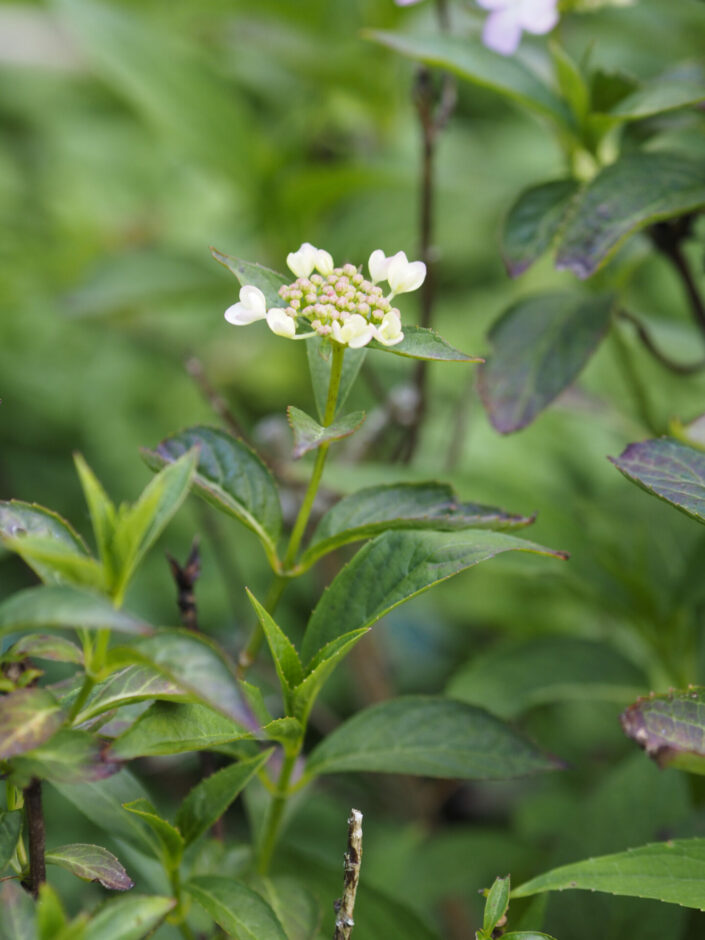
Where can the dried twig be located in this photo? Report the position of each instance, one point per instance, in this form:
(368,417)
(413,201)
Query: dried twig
(37,835)
(345,906)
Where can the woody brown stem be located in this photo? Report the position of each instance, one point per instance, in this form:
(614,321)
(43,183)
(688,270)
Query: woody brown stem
(345,906)
(37,835)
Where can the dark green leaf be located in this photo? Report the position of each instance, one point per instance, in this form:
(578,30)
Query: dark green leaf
(309,434)
(69,756)
(10,826)
(18,921)
(18,518)
(658,96)
(670,470)
(230,477)
(422,343)
(286,659)
(295,907)
(318,352)
(496,904)
(248,272)
(636,191)
(129,918)
(671,728)
(39,646)
(517,676)
(28,717)
(319,669)
(236,908)
(127,686)
(287,731)
(210,798)
(375,509)
(170,728)
(467,57)
(431,737)
(168,839)
(91,863)
(65,607)
(539,347)
(395,567)
(672,871)
(533,223)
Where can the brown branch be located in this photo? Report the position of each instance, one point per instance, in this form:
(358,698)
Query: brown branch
(345,906)
(37,835)
(680,368)
(668,238)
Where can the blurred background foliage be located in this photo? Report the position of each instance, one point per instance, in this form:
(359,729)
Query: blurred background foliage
(135,135)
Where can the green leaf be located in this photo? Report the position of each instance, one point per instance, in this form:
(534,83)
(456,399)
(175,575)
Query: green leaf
(169,840)
(171,728)
(395,567)
(236,908)
(230,477)
(496,904)
(56,561)
(636,191)
(10,826)
(319,670)
(210,798)
(286,659)
(68,608)
(539,347)
(102,512)
(467,57)
(376,509)
(42,646)
(571,83)
(18,518)
(68,756)
(670,727)
(525,935)
(248,272)
(533,223)
(670,470)
(422,343)
(140,525)
(318,352)
(658,96)
(91,863)
(295,907)
(514,677)
(672,871)
(309,434)
(129,918)
(51,918)
(127,686)
(28,717)
(430,737)
(287,731)
(18,921)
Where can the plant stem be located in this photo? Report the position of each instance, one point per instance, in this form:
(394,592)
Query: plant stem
(668,238)
(345,907)
(80,700)
(37,835)
(640,394)
(680,368)
(249,653)
(275,813)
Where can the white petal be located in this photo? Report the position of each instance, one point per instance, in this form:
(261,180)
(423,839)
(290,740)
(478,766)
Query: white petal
(324,262)
(338,332)
(403,275)
(240,315)
(496,4)
(280,322)
(362,338)
(389,332)
(253,298)
(538,16)
(378,265)
(303,261)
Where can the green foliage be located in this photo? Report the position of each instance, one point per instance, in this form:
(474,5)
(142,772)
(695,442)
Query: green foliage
(236,908)
(670,728)
(309,434)
(91,863)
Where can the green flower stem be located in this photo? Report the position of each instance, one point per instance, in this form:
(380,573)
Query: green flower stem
(94,664)
(275,812)
(634,380)
(249,653)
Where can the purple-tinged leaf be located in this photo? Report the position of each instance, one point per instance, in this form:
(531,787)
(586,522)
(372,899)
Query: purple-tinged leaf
(91,863)
(18,914)
(70,756)
(533,223)
(28,717)
(45,646)
(670,470)
(540,345)
(636,191)
(309,434)
(670,727)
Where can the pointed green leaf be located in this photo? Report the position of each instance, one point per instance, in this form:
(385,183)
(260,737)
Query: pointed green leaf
(422,343)
(171,728)
(296,908)
(514,677)
(309,434)
(18,518)
(659,96)
(431,737)
(395,567)
(496,904)
(319,354)
(168,837)
(68,756)
(255,701)
(571,83)
(91,863)
(101,509)
(128,918)
(230,477)
(18,921)
(376,509)
(319,670)
(56,561)
(248,272)
(127,686)
(670,470)
(10,826)
(236,908)
(286,731)
(467,57)
(539,347)
(636,191)
(28,717)
(286,659)
(210,798)
(533,223)
(51,918)
(63,607)
(41,646)
(672,871)
(670,727)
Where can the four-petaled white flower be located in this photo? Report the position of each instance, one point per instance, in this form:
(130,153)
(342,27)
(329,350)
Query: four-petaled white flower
(403,275)
(251,307)
(308,257)
(509,18)
(279,322)
(389,332)
(354,332)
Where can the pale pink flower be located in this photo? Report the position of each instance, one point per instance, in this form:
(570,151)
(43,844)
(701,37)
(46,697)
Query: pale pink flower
(509,18)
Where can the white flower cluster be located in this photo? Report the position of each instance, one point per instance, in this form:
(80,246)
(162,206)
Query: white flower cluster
(338,302)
